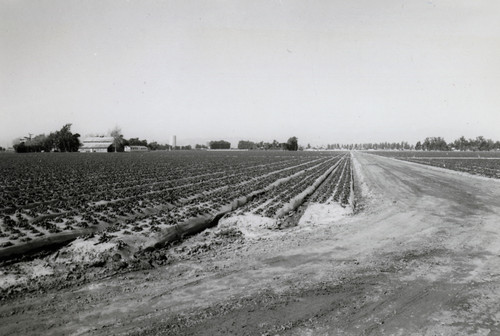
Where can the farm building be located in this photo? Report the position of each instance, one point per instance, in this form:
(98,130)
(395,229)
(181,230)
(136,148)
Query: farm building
(136,149)
(96,144)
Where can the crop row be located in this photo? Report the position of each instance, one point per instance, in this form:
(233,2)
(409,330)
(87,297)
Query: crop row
(48,194)
(477,163)
(439,154)
(278,203)
(483,167)
(77,182)
(337,186)
(269,204)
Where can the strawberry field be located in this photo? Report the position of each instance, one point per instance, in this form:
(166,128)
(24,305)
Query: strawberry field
(477,163)
(141,194)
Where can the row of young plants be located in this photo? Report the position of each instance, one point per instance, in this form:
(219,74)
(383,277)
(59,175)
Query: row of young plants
(337,187)
(278,197)
(194,200)
(81,193)
(482,167)
(477,163)
(211,201)
(130,201)
(275,207)
(438,154)
(74,181)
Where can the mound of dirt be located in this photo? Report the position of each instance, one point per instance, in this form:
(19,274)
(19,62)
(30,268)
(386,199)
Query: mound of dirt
(324,214)
(251,226)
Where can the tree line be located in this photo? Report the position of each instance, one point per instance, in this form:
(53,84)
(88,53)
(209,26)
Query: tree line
(62,141)
(403,145)
(428,144)
(480,143)
(220,144)
(291,145)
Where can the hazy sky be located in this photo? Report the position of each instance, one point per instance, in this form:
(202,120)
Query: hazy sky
(325,71)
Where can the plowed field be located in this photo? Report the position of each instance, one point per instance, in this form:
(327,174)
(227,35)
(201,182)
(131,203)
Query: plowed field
(422,258)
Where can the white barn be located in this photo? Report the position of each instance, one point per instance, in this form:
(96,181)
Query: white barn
(96,144)
(136,149)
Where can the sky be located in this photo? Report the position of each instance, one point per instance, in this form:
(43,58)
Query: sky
(325,71)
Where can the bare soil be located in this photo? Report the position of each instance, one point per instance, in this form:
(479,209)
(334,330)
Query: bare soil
(422,258)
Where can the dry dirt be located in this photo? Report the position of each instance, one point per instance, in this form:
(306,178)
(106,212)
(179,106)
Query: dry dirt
(422,258)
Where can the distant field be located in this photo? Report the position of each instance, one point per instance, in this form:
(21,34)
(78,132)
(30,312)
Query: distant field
(477,163)
(140,194)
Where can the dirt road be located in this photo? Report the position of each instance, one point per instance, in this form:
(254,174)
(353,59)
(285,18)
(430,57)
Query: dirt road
(422,258)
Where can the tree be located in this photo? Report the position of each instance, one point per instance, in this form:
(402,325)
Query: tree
(137,142)
(62,140)
(246,144)
(65,141)
(461,143)
(49,144)
(20,147)
(482,143)
(434,143)
(118,140)
(292,144)
(154,145)
(221,144)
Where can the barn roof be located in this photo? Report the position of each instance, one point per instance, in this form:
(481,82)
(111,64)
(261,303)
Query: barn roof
(95,145)
(98,140)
